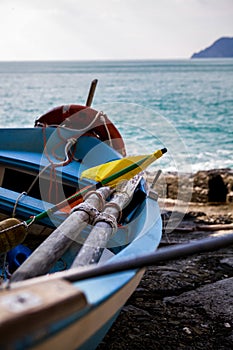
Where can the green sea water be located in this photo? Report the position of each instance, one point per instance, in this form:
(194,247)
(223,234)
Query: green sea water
(184,105)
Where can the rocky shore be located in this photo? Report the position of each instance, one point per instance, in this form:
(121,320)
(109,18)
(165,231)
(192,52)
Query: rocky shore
(185,303)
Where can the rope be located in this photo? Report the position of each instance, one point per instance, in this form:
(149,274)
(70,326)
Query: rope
(17,201)
(36,178)
(99,114)
(108,218)
(118,208)
(92,212)
(83,130)
(99,195)
(88,127)
(68,159)
(103,118)
(69,143)
(33,218)
(87,208)
(23,223)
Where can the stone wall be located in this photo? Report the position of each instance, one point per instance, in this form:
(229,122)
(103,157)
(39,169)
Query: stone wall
(212,186)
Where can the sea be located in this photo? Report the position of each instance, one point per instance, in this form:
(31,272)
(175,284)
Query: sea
(183,105)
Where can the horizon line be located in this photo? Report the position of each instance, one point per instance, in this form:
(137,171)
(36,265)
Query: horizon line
(91,59)
(113,59)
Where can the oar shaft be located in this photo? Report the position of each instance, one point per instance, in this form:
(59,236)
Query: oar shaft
(161,255)
(102,231)
(47,253)
(64,203)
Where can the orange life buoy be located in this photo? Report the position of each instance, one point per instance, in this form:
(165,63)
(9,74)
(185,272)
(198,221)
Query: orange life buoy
(87,119)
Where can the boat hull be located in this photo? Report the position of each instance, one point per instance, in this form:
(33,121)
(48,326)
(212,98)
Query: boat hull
(87,332)
(82,327)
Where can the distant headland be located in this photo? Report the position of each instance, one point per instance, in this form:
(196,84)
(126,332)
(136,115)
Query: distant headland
(221,48)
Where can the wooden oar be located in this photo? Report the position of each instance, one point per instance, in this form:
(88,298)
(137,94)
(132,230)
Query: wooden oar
(161,255)
(99,236)
(91,93)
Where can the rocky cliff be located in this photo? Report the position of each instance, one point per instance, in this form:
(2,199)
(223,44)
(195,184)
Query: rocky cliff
(222,48)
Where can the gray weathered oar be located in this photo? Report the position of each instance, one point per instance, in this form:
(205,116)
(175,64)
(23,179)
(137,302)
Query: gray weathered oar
(48,253)
(98,238)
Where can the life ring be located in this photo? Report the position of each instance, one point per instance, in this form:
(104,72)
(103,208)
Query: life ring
(84,118)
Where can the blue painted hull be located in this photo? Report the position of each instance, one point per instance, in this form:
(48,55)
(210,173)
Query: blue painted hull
(140,234)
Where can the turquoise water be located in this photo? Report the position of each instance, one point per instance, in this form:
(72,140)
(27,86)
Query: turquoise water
(185,105)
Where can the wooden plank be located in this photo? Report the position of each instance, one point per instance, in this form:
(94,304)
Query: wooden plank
(32,308)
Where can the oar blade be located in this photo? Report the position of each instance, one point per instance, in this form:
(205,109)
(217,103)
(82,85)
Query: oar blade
(102,171)
(121,169)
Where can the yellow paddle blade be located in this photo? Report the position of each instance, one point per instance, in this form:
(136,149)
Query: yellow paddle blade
(124,168)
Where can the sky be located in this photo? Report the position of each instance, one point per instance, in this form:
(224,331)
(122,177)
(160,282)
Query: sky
(110,29)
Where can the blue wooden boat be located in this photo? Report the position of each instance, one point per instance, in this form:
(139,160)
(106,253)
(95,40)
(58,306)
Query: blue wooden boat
(39,167)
